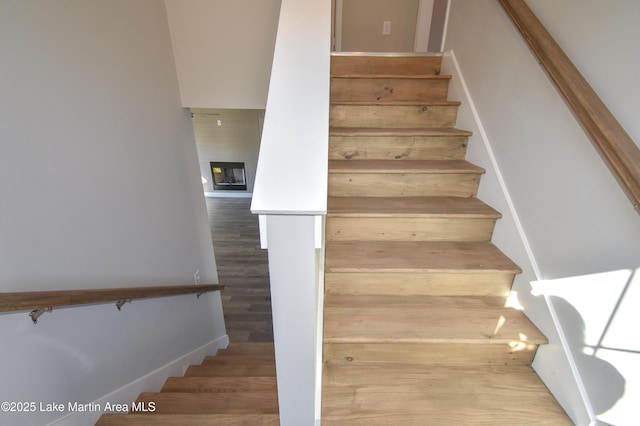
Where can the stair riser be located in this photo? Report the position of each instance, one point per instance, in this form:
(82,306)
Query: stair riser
(190,419)
(412,284)
(403,185)
(388,89)
(239,360)
(220,384)
(230,370)
(212,403)
(397,148)
(393,116)
(408,229)
(429,353)
(417,65)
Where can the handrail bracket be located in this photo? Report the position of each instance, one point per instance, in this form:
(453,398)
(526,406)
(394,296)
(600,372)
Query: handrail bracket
(35,314)
(120,303)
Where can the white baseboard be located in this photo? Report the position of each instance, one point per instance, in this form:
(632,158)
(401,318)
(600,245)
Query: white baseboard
(152,381)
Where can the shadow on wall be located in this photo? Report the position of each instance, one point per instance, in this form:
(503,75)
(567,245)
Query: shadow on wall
(599,318)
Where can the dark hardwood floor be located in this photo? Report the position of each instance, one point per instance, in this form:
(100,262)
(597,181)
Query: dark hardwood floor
(243,267)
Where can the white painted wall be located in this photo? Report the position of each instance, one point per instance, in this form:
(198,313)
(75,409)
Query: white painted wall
(574,219)
(223,50)
(235,139)
(362,25)
(100,188)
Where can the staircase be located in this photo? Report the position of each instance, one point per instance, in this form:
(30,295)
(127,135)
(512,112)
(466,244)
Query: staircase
(415,325)
(236,387)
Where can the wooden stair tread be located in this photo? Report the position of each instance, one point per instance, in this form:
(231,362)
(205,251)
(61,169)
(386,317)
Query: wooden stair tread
(220,384)
(212,403)
(356,131)
(384,394)
(425,319)
(412,256)
(395,76)
(397,102)
(372,64)
(239,360)
(450,207)
(403,166)
(247,348)
(190,419)
(230,370)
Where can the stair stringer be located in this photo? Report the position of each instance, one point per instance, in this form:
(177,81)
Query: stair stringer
(553,362)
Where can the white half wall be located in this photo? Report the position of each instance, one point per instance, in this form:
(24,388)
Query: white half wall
(223,51)
(100,187)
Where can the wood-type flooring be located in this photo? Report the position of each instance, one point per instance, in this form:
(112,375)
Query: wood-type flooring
(243,267)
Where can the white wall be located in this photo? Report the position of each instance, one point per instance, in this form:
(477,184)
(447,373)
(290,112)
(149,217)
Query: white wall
(574,218)
(100,188)
(362,25)
(223,50)
(236,139)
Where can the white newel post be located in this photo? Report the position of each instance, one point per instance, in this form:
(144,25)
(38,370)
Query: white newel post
(293,275)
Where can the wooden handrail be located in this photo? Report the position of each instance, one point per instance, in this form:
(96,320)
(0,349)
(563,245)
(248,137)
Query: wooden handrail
(619,151)
(28,300)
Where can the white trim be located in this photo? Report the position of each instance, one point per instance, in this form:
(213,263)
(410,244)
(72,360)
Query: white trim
(423,26)
(387,54)
(338,26)
(262,225)
(151,381)
(319,231)
(446,26)
(496,167)
(572,364)
(320,255)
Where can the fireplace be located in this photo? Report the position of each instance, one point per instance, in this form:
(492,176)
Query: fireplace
(228,176)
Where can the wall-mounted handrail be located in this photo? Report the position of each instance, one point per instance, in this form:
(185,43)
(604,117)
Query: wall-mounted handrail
(620,152)
(45,300)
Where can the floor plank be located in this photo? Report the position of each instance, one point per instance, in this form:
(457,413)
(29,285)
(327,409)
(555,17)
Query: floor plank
(243,267)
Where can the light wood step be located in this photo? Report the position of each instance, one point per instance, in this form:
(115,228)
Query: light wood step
(409,207)
(397,144)
(384,88)
(243,348)
(190,419)
(220,384)
(443,395)
(512,353)
(230,370)
(417,268)
(409,219)
(211,403)
(425,319)
(417,178)
(469,283)
(394,115)
(408,257)
(386,65)
(239,360)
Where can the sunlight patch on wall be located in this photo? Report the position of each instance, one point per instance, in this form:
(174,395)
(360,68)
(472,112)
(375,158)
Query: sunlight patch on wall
(598,317)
